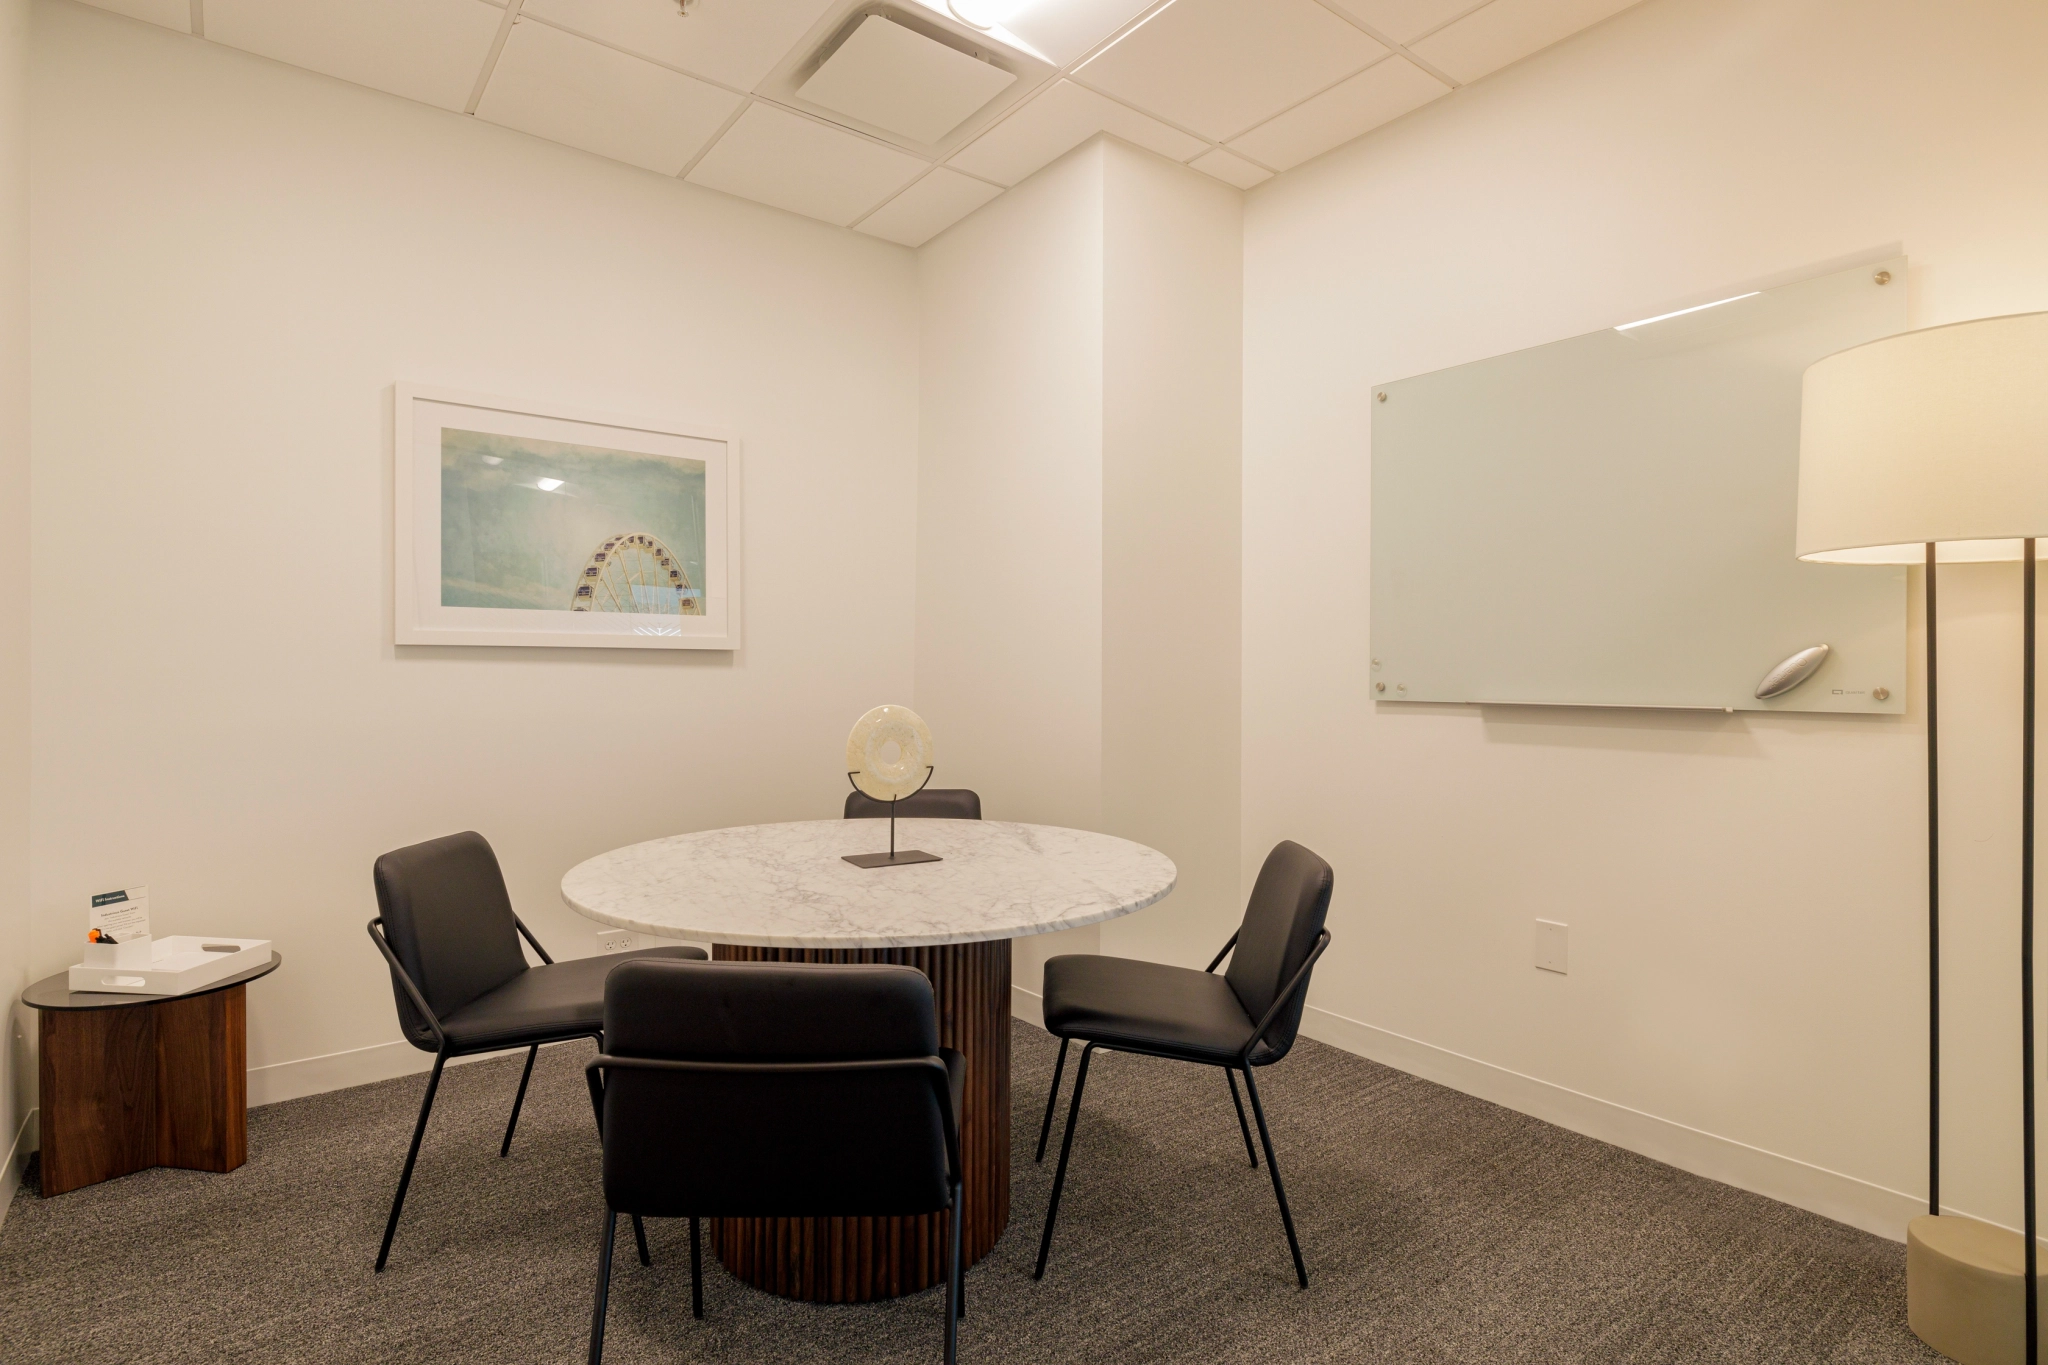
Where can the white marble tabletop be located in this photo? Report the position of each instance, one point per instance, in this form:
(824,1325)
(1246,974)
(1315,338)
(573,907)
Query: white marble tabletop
(786,886)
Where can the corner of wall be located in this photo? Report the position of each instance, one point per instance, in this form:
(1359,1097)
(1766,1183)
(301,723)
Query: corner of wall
(1172,470)
(15,1082)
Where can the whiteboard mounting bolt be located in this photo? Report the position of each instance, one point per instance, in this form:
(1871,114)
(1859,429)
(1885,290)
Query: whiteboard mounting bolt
(1881,693)
(1379,687)
(1883,277)
(1383,395)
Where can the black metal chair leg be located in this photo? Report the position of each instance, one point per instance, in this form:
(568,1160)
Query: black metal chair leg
(1059,1178)
(1273,1168)
(953,1281)
(519,1099)
(1052,1099)
(640,1239)
(412,1155)
(1242,1126)
(696,1273)
(604,1285)
(960,1275)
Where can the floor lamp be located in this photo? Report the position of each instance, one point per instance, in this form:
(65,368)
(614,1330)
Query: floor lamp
(1934,445)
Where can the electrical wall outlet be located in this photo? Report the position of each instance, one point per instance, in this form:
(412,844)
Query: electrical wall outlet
(1550,946)
(615,940)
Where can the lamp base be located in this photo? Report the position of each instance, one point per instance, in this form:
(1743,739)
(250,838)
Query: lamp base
(908,855)
(1963,1289)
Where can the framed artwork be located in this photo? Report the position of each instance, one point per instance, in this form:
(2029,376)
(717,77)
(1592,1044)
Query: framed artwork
(534,524)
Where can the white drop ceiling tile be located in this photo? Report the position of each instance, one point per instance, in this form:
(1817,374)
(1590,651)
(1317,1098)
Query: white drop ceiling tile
(1064,30)
(426,50)
(1406,20)
(573,91)
(737,42)
(1220,67)
(1507,31)
(1379,94)
(929,207)
(895,78)
(1226,165)
(1056,122)
(175,14)
(775,157)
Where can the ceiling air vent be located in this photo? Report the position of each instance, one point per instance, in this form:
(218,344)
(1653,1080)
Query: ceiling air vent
(897,79)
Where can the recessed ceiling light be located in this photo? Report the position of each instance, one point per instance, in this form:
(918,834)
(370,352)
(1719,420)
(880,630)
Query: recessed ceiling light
(983,14)
(547,485)
(986,18)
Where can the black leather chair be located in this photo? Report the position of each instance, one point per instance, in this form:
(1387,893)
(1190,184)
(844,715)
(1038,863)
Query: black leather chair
(934,803)
(462,984)
(771,1089)
(1245,1018)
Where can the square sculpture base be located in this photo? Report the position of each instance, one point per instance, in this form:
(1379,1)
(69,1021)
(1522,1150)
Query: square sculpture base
(908,855)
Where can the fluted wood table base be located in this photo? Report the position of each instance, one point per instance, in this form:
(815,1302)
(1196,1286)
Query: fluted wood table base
(848,1260)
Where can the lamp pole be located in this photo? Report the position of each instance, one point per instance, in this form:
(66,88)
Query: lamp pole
(2033,1309)
(1933,907)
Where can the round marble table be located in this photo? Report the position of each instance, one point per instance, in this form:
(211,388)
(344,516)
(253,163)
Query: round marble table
(783,893)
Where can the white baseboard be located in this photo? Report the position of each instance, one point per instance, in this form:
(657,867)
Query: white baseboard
(1830,1194)
(17,1152)
(340,1070)
(306,1076)
(282,1081)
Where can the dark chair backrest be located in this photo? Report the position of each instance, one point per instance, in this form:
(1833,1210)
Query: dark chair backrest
(449,920)
(1281,924)
(933,803)
(757,1134)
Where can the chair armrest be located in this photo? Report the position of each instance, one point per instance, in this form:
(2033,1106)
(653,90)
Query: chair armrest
(956,1085)
(1287,992)
(534,941)
(933,1067)
(1222,953)
(595,1079)
(419,1001)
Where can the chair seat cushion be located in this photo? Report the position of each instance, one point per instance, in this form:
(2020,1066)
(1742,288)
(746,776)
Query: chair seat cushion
(1148,1006)
(553,1000)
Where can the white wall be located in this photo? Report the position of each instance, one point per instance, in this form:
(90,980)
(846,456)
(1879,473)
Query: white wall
(1173,361)
(234,262)
(1747,993)
(15,1059)
(1078,520)
(1009,509)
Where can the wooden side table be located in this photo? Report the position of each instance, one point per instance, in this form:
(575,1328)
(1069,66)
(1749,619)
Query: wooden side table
(134,1081)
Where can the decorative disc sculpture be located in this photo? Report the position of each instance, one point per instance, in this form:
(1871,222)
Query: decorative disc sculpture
(889,757)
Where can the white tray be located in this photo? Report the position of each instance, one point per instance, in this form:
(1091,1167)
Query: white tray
(178,965)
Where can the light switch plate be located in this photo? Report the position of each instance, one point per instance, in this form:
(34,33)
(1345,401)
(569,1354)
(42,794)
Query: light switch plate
(1551,946)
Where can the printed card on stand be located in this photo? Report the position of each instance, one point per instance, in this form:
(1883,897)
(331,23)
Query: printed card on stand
(117,928)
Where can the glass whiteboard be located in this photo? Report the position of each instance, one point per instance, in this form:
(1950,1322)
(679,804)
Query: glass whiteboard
(1608,520)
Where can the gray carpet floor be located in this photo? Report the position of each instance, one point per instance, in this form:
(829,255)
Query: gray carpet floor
(1438,1228)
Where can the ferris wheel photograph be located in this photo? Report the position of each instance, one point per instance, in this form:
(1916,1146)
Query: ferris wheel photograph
(537,525)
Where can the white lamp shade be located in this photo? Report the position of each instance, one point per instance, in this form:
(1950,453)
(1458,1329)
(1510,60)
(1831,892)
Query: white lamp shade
(1937,435)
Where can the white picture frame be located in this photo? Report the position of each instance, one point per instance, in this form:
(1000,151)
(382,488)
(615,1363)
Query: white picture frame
(640,592)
